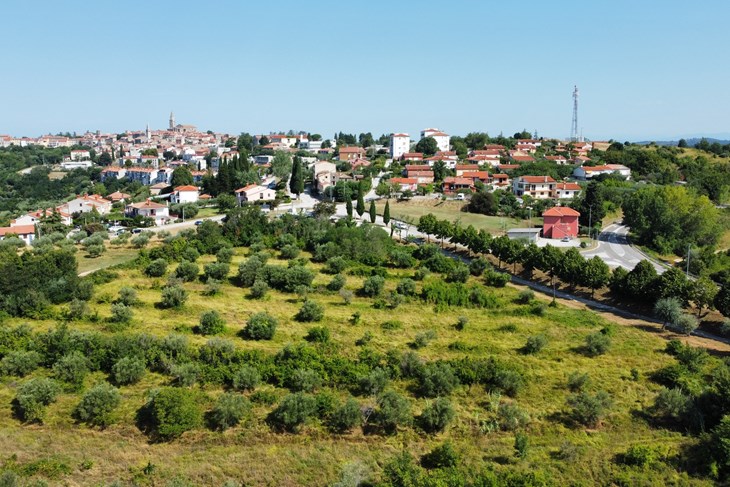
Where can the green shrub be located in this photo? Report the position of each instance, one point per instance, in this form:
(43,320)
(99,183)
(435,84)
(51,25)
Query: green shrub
(335,265)
(443,456)
(173,296)
(187,271)
(216,270)
(20,363)
(522,445)
(186,374)
(228,411)
(121,313)
(211,323)
(172,412)
(289,252)
(71,369)
(508,381)
(212,287)
(338,282)
(597,344)
(437,415)
(461,323)
(32,398)
(511,417)
(265,397)
(577,381)
(77,309)
(345,417)
(98,404)
(95,251)
(156,268)
(259,289)
(642,456)
(406,287)
(261,326)
(589,409)
(364,340)
(458,273)
(346,295)
(374,383)
(293,411)
(526,296)
(478,266)
(372,286)
(393,411)
(304,380)
(422,339)
(421,274)
(534,344)
(225,255)
(391,325)
(128,370)
(672,405)
(140,240)
(436,379)
(496,279)
(310,311)
(127,296)
(693,358)
(318,334)
(246,378)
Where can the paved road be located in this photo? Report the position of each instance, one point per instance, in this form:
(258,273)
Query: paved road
(616,251)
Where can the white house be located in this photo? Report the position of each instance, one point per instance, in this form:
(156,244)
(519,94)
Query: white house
(26,233)
(404,184)
(87,203)
(80,155)
(566,191)
(76,164)
(33,217)
(253,193)
(159,212)
(538,187)
(442,139)
(185,194)
(399,145)
(587,172)
(113,172)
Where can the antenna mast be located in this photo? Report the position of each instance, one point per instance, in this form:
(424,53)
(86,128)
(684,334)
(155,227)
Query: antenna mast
(574,126)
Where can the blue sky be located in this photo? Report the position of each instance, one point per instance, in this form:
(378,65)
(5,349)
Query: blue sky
(645,69)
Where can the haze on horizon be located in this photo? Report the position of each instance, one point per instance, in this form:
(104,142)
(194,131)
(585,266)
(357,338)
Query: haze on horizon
(644,71)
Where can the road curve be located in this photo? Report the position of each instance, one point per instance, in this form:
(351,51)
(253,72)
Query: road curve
(615,249)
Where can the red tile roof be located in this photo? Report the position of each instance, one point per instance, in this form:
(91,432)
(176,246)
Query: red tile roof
(560,211)
(537,179)
(187,188)
(19,230)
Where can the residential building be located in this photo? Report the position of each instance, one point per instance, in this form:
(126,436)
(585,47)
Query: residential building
(588,172)
(86,204)
(443,140)
(560,222)
(399,145)
(253,193)
(413,156)
(404,184)
(150,209)
(156,189)
(453,184)
(118,196)
(351,153)
(80,155)
(34,217)
(538,187)
(76,164)
(566,191)
(462,168)
(185,194)
(146,176)
(26,233)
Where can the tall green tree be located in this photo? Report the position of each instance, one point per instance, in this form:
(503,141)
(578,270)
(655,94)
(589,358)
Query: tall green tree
(439,171)
(296,184)
(595,274)
(281,165)
(428,146)
(386,212)
(181,176)
(371,210)
(360,201)
(348,206)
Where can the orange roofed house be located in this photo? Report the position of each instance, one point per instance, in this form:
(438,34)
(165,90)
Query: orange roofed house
(560,222)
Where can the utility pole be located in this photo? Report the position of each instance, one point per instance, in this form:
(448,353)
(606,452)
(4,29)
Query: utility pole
(590,222)
(574,125)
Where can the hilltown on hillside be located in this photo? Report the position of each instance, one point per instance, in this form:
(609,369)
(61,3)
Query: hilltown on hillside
(150,158)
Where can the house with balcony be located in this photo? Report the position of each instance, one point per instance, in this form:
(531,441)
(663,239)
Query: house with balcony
(537,187)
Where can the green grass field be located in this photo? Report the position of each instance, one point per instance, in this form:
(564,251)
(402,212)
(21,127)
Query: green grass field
(451,210)
(254,455)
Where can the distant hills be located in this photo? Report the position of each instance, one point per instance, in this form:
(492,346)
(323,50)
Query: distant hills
(690,141)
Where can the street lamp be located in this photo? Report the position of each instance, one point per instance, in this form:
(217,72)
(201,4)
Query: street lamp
(529,209)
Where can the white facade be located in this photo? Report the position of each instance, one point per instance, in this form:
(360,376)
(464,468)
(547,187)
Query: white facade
(442,139)
(253,193)
(399,145)
(185,194)
(587,172)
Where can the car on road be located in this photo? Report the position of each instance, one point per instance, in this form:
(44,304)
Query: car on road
(137,230)
(198,222)
(401,226)
(565,239)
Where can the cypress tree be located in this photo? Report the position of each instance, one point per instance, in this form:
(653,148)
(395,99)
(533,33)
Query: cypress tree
(360,201)
(296,183)
(386,212)
(348,205)
(373,214)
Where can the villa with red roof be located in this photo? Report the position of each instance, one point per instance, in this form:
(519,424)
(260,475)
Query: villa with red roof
(538,187)
(255,192)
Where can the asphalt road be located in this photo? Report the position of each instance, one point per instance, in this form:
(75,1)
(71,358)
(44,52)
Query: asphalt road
(616,251)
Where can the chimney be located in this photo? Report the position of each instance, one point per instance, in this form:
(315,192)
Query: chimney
(546,179)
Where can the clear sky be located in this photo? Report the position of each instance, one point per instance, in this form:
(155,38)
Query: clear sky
(645,69)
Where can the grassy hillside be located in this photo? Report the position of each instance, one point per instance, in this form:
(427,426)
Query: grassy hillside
(63,452)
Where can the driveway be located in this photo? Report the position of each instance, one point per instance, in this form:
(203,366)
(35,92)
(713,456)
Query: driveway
(616,251)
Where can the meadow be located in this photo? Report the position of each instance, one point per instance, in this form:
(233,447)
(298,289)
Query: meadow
(61,451)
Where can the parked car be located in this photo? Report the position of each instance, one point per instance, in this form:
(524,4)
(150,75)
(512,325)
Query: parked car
(565,239)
